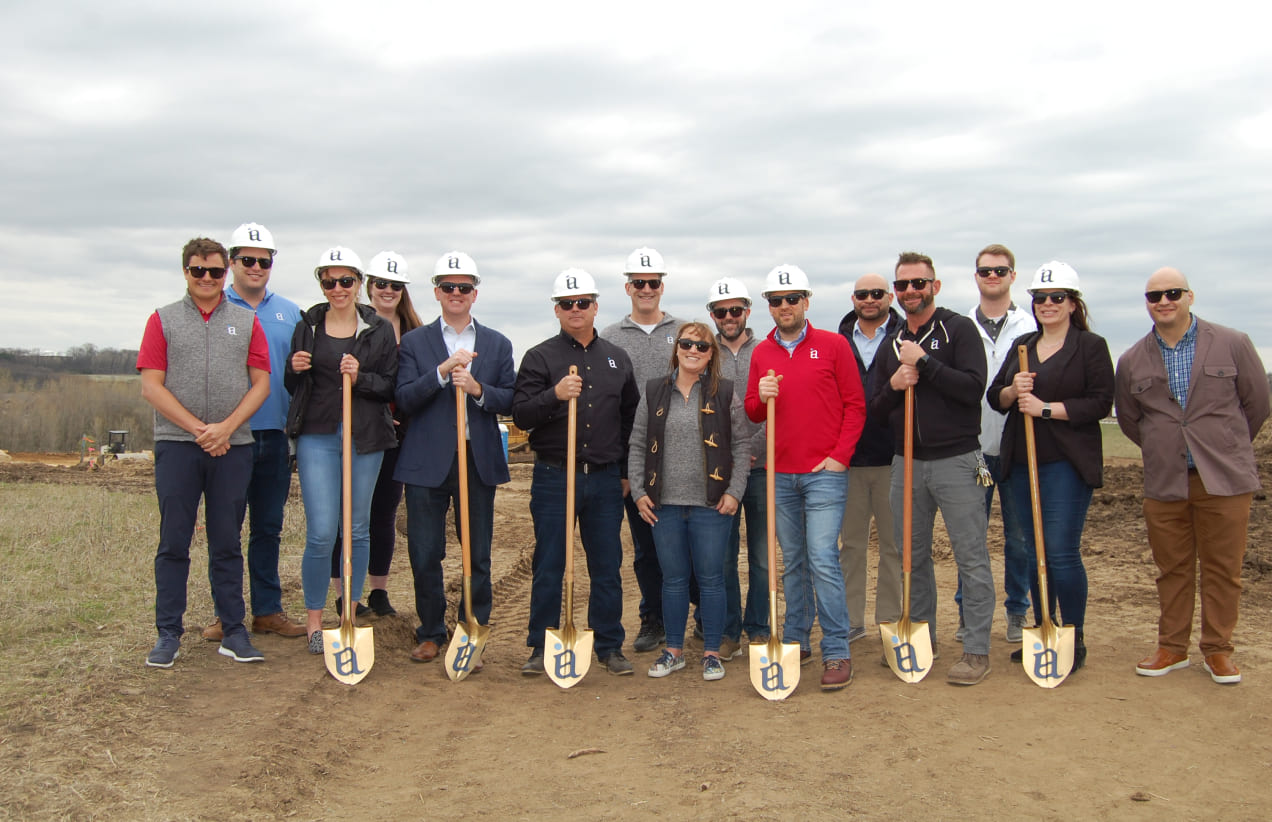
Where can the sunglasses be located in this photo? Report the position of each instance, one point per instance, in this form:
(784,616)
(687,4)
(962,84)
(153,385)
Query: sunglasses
(343,282)
(652,285)
(1172,294)
(996,270)
(216,272)
(917,284)
(734,312)
(449,288)
(265,263)
(686,344)
(789,299)
(872,293)
(1057,298)
(388,284)
(566,305)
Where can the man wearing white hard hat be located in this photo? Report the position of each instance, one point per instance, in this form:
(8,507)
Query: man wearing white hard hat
(819,411)
(648,336)
(452,352)
(252,251)
(607,397)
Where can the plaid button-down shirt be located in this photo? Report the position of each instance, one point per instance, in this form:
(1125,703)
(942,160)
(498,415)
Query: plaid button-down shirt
(1179,363)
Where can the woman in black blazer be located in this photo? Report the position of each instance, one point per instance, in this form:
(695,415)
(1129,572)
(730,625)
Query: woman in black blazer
(1068,389)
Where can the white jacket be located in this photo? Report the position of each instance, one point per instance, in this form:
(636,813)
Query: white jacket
(1019,321)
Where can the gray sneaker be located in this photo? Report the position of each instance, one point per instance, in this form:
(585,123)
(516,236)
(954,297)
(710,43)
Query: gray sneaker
(165,652)
(239,648)
(969,670)
(650,636)
(534,665)
(617,664)
(712,668)
(1015,624)
(666,663)
(856,634)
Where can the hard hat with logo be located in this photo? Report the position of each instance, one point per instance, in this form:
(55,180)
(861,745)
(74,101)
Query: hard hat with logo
(1055,274)
(573,282)
(252,235)
(786,278)
(727,289)
(645,261)
(455,263)
(338,256)
(389,265)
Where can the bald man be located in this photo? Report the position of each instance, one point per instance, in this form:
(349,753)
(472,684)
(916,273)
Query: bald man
(1193,395)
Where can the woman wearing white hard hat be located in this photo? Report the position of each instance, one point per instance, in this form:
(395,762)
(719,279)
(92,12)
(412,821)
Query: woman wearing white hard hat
(1068,389)
(335,338)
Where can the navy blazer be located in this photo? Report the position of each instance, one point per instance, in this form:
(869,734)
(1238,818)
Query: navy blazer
(429,447)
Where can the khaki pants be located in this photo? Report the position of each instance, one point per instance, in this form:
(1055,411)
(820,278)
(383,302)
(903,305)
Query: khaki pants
(868,489)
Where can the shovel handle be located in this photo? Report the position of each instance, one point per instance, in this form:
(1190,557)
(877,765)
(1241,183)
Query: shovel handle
(346,497)
(1031,450)
(907,479)
(571,455)
(770,491)
(461,455)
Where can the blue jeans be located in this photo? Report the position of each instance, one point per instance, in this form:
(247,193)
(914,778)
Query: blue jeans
(384,507)
(598,504)
(754,620)
(318,460)
(266,497)
(644,563)
(1017,555)
(692,540)
(426,544)
(1064,499)
(810,510)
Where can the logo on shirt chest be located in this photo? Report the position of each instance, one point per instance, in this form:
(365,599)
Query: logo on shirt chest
(612,364)
(233,330)
(812,353)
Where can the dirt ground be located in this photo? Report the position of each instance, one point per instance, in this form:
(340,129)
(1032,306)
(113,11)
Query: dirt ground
(213,740)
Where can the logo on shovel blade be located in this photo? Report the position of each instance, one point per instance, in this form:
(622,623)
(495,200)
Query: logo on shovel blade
(771,678)
(464,656)
(566,664)
(1046,663)
(907,660)
(347,662)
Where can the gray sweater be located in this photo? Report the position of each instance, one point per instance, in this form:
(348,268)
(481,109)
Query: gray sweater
(650,352)
(737,367)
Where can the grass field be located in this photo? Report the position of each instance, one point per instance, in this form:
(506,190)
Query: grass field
(1115,442)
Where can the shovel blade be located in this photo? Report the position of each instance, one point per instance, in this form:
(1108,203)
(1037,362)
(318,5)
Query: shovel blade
(349,652)
(1048,655)
(907,646)
(463,654)
(567,655)
(774,668)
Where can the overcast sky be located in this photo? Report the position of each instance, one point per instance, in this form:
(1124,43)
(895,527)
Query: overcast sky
(732,137)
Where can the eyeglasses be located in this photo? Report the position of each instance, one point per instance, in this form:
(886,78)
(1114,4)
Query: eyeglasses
(789,299)
(388,284)
(264,262)
(917,284)
(686,344)
(872,293)
(652,285)
(343,282)
(566,305)
(1056,297)
(1172,294)
(449,288)
(216,272)
(734,312)
(997,270)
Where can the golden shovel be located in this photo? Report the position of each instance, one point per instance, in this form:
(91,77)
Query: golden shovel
(348,650)
(463,654)
(907,645)
(568,654)
(774,664)
(1047,649)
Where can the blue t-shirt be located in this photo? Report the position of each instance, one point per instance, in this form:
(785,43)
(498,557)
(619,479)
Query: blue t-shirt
(278,317)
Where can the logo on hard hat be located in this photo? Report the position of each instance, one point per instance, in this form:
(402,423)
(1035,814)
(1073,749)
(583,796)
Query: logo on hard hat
(645,261)
(784,278)
(722,289)
(391,267)
(253,234)
(335,256)
(1044,275)
(571,282)
(452,262)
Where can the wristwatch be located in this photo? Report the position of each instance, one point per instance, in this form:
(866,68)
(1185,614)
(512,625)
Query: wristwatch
(1046,410)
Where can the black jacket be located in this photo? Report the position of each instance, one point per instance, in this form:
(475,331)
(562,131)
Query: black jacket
(875,446)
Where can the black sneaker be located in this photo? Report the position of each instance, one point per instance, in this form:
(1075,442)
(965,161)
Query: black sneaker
(239,648)
(378,601)
(534,665)
(359,610)
(651,635)
(165,652)
(617,664)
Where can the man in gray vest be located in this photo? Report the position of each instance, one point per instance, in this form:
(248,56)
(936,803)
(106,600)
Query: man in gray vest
(204,366)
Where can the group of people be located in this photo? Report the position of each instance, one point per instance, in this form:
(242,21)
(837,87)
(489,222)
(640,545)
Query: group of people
(670,420)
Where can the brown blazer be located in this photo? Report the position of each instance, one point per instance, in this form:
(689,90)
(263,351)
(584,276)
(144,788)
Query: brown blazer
(1228,402)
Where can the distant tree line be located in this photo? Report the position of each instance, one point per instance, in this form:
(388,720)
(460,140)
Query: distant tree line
(82,359)
(50,412)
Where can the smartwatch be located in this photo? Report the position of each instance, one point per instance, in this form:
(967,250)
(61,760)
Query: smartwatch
(1046,410)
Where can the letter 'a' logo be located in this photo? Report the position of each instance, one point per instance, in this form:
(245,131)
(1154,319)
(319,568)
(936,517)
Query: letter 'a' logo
(722,289)
(566,664)
(572,283)
(452,262)
(907,658)
(254,235)
(645,262)
(784,278)
(1047,664)
(335,256)
(1045,275)
(391,267)
(464,657)
(347,662)
(771,677)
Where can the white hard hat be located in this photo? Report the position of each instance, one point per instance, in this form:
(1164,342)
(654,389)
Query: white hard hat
(1055,274)
(645,261)
(786,278)
(338,256)
(389,265)
(252,235)
(727,289)
(573,282)
(455,263)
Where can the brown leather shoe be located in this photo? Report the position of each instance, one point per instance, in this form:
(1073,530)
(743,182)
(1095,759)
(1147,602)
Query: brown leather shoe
(426,651)
(213,632)
(1222,670)
(276,624)
(1161,663)
(838,674)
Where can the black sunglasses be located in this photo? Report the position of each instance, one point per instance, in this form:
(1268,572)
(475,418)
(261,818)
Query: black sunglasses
(686,344)
(917,284)
(265,263)
(653,285)
(449,288)
(986,270)
(734,311)
(1172,294)
(789,299)
(872,293)
(388,284)
(1057,297)
(343,282)
(583,303)
(216,272)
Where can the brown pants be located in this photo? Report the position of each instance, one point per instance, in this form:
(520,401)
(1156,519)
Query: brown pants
(1205,528)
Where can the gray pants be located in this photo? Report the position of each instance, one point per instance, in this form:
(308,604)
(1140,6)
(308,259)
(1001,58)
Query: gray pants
(868,489)
(950,486)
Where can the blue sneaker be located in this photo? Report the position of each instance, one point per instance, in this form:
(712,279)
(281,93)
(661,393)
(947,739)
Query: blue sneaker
(165,652)
(666,663)
(239,648)
(712,668)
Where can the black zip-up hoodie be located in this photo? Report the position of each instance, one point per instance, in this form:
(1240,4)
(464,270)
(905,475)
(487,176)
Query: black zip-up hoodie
(874,449)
